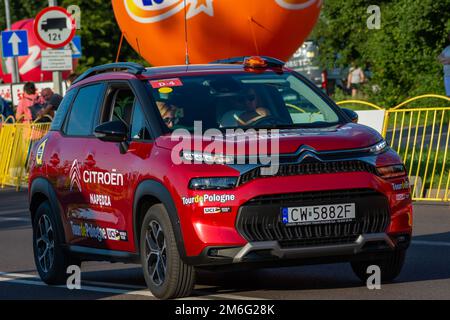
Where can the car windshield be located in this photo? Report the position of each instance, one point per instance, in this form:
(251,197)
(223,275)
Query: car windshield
(243,100)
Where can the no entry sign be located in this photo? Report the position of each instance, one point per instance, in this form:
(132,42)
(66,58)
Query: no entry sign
(54,27)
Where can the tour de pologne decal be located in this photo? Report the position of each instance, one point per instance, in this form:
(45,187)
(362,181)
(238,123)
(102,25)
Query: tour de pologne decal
(400,186)
(208,198)
(77,177)
(88,230)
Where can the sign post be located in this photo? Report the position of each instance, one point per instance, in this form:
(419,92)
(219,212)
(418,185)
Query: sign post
(55,28)
(15,76)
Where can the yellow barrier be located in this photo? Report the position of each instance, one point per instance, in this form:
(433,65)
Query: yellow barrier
(421,137)
(16,141)
(359,102)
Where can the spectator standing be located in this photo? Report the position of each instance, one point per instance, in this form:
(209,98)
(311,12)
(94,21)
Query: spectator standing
(444,58)
(355,79)
(52,101)
(5,109)
(30,104)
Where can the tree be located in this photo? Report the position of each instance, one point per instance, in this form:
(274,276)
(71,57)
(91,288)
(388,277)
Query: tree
(401,54)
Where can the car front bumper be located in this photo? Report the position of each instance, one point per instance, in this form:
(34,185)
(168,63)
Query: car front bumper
(263,253)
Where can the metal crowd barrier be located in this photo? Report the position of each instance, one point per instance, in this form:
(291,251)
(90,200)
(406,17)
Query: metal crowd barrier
(420,135)
(16,141)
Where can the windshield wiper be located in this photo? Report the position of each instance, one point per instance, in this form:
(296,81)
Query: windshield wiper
(315,125)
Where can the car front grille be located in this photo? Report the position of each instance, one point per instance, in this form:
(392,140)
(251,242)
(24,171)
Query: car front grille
(260,218)
(311,168)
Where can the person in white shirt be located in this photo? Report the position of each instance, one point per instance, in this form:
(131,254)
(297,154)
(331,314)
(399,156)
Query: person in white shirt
(444,58)
(355,79)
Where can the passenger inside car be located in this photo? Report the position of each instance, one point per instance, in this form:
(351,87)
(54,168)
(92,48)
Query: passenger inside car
(247,108)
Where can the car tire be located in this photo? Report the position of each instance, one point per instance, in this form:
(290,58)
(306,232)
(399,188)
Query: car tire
(166,275)
(390,267)
(50,258)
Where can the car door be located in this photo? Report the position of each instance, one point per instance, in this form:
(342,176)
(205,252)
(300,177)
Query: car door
(66,162)
(112,174)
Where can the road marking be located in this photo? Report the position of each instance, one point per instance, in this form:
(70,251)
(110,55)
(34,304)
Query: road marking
(32,280)
(2,212)
(14,219)
(431,243)
(108,287)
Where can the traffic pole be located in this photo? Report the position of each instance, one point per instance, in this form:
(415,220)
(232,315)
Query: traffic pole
(15,76)
(57,75)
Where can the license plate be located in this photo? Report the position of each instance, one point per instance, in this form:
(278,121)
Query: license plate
(332,213)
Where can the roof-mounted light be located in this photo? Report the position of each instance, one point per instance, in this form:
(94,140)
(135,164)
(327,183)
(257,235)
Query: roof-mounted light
(255,62)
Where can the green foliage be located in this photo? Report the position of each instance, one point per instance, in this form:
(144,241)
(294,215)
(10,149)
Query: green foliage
(99,32)
(402,55)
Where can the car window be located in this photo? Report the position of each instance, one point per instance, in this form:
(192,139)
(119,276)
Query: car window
(62,110)
(242,100)
(84,110)
(119,105)
(123,102)
(139,129)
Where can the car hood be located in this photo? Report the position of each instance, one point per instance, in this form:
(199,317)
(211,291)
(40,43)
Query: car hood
(342,137)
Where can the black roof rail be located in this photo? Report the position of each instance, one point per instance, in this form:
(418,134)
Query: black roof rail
(272,62)
(130,67)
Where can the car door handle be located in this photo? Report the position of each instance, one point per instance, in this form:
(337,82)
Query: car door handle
(54,159)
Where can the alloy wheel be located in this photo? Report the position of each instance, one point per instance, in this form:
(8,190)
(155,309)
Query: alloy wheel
(45,243)
(156,253)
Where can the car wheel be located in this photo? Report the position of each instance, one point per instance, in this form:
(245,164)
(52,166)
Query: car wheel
(390,267)
(166,275)
(50,258)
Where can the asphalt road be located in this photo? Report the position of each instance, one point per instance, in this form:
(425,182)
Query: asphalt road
(426,274)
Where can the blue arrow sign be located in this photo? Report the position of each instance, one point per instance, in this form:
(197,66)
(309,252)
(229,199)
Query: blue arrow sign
(14,43)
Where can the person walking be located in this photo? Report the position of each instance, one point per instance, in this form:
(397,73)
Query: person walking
(30,103)
(355,79)
(444,58)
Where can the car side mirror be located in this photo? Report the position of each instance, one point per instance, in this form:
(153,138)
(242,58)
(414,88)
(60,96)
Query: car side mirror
(351,114)
(112,131)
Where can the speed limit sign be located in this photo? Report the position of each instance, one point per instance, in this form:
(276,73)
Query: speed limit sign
(54,27)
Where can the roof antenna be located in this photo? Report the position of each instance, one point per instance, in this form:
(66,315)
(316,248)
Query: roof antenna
(186,34)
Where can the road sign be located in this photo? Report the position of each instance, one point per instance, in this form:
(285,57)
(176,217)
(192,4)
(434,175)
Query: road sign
(75,46)
(54,27)
(56,60)
(14,43)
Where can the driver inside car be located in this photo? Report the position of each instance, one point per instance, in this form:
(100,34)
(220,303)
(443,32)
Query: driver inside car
(247,110)
(168,113)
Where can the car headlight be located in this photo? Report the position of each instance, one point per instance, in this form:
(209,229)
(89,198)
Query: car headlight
(394,171)
(208,158)
(378,147)
(217,183)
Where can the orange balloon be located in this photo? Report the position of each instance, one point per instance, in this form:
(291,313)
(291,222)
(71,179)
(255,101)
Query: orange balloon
(216,29)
